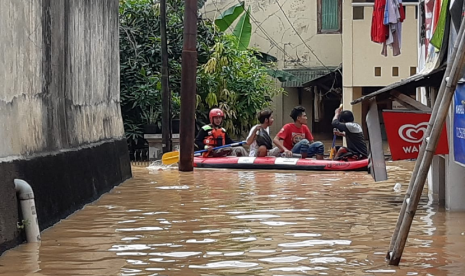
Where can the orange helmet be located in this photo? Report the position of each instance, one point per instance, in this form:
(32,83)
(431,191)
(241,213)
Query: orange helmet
(215,112)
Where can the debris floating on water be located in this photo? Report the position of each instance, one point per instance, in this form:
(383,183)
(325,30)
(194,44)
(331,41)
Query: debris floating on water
(158,166)
(397,187)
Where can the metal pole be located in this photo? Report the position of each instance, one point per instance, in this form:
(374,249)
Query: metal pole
(437,121)
(436,105)
(166,95)
(188,87)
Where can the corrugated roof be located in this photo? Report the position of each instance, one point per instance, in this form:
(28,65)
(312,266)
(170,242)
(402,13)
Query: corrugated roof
(305,75)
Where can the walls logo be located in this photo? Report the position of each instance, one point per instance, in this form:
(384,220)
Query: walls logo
(413,133)
(405,132)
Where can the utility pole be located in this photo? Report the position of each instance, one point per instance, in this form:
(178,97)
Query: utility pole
(166,94)
(188,87)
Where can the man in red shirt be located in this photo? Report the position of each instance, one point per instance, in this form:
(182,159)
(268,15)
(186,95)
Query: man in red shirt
(297,138)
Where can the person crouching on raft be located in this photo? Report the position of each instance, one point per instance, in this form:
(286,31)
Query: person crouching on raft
(344,125)
(213,135)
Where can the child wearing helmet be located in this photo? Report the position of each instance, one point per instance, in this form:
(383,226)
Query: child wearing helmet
(213,135)
(344,125)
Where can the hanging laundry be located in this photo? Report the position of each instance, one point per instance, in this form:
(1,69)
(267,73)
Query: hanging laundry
(393,18)
(316,104)
(386,27)
(439,30)
(378,29)
(429,11)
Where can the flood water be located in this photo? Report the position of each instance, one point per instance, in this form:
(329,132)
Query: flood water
(230,222)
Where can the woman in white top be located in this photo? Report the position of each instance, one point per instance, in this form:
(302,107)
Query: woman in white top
(259,141)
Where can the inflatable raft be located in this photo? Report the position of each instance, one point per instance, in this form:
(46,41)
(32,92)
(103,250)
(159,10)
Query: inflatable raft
(279,163)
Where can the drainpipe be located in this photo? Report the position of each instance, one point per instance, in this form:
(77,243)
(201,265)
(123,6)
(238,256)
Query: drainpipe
(28,208)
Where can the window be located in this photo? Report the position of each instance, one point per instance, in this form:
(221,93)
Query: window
(329,16)
(358,13)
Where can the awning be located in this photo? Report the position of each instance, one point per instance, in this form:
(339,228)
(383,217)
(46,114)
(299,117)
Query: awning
(305,75)
(433,78)
(332,79)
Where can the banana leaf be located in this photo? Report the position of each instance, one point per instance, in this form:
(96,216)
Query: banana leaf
(243,31)
(225,20)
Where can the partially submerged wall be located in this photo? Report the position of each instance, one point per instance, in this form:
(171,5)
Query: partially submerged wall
(61,127)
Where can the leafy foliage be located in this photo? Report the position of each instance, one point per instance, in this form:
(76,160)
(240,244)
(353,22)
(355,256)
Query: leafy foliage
(140,60)
(225,20)
(228,76)
(235,81)
(243,31)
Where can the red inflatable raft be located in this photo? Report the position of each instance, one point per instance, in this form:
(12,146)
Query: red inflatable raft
(279,163)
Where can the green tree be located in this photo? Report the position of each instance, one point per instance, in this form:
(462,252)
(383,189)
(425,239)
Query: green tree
(229,76)
(140,59)
(235,81)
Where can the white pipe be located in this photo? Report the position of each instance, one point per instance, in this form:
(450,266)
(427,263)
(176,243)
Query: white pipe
(28,208)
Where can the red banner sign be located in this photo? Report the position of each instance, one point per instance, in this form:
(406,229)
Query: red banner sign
(405,132)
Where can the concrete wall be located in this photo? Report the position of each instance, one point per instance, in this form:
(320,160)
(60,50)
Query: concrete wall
(361,55)
(59,104)
(59,75)
(273,34)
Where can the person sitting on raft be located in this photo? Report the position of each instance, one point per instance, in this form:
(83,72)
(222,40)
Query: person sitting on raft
(296,138)
(213,135)
(344,125)
(259,140)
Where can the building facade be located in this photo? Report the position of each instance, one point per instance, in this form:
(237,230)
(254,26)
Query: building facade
(365,68)
(306,39)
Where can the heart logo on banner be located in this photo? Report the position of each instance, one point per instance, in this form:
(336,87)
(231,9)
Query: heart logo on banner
(407,132)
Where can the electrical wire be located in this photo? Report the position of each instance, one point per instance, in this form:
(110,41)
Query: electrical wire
(297,33)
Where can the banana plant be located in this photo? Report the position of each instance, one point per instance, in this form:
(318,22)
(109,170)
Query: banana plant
(243,33)
(243,29)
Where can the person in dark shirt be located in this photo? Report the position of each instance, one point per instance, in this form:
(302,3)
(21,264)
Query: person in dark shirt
(344,125)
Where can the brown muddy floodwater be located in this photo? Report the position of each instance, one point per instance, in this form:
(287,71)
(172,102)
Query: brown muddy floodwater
(231,222)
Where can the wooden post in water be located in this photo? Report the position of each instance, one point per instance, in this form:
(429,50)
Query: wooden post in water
(166,94)
(436,105)
(188,87)
(436,123)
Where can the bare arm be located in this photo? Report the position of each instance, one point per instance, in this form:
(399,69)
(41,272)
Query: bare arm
(336,123)
(336,114)
(252,135)
(278,142)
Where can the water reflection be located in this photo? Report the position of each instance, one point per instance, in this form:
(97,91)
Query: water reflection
(222,222)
